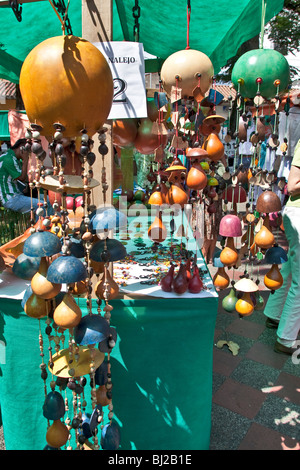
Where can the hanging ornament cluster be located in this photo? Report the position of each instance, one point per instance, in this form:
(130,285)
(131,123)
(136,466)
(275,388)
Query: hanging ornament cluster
(61,252)
(258,244)
(260,77)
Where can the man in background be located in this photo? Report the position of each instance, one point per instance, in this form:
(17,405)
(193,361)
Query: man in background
(13,177)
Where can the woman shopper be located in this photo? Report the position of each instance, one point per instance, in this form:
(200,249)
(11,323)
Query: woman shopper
(283,307)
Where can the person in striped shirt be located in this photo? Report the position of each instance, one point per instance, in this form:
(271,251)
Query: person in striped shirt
(13,168)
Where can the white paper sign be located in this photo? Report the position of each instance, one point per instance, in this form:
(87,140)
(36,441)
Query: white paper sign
(126,61)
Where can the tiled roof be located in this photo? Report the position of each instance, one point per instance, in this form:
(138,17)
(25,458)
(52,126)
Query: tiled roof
(226,91)
(7,89)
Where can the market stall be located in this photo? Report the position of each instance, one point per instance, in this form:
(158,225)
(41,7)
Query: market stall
(108,325)
(162,361)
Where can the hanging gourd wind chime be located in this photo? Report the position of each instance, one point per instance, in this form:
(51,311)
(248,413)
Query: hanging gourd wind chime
(81,341)
(186,76)
(259,76)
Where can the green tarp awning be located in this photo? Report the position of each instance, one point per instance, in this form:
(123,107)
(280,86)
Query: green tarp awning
(216,28)
(4,128)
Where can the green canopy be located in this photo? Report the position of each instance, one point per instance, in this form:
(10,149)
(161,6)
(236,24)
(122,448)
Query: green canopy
(216,28)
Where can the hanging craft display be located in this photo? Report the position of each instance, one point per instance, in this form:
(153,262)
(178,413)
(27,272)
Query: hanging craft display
(64,252)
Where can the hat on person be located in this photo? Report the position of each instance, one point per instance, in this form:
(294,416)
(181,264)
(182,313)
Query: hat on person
(18,143)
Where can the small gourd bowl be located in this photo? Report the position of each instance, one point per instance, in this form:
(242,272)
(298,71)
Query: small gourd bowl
(275,255)
(66,269)
(115,248)
(245,285)
(230,226)
(268,202)
(91,329)
(41,244)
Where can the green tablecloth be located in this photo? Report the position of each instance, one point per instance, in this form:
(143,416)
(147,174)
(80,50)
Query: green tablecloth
(161,373)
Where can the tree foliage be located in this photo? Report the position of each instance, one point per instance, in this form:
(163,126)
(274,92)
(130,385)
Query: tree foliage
(283,30)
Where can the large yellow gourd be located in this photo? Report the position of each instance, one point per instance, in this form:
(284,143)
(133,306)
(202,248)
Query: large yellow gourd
(66,79)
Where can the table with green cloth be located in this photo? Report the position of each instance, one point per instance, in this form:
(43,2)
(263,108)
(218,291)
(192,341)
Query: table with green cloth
(161,369)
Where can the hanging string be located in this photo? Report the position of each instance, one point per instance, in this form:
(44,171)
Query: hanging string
(263,19)
(64,20)
(136,13)
(176,111)
(188,24)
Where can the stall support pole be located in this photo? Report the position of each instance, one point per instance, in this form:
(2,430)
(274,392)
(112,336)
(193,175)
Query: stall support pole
(97,27)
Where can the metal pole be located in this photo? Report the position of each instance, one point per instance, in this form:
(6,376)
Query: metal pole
(97,27)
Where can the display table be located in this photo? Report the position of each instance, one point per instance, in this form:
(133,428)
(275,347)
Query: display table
(161,369)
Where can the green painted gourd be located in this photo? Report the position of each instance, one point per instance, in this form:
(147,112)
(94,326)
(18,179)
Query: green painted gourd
(228,303)
(265,64)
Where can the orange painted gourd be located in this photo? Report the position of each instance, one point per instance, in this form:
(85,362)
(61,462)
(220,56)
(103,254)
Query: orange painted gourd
(176,195)
(196,178)
(244,305)
(221,278)
(98,266)
(229,254)
(36,307)
(66,79)
(273,279)
(124,132)
(67,314)
(214,147)
(57,434)
(250,218)
(40,284)
(157,231)
(112,286)
(264,238)
(79,288)
(157,198)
